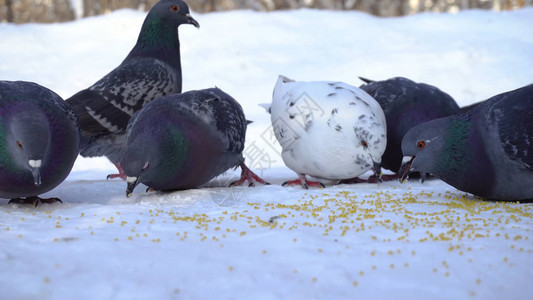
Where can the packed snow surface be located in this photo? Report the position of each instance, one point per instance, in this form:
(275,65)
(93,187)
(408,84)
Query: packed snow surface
(388,240)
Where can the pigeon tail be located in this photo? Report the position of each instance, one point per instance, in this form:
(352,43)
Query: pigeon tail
(366,80)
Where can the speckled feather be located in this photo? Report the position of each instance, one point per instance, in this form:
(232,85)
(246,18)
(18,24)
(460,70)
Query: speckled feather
(486,151)
(323,126)
(44,114)
(211,129)
(406,104)
(151,70)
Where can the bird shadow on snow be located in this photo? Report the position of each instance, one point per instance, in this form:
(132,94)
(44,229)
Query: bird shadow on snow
(216,193)
(81,188)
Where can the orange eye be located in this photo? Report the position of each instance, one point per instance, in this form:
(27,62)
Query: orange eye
(175,8)
(365,144)
(19,144)
(421,144)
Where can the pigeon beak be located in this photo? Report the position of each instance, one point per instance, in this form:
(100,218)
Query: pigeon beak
(406,168)
(377,170)
(132,183)
(192,21)
(36,171)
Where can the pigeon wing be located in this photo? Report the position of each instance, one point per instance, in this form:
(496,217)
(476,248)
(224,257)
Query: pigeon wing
(515,125)
(228,117)
(108,105)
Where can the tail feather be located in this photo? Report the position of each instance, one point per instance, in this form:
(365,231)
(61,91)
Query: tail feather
(366,80)
(266,106)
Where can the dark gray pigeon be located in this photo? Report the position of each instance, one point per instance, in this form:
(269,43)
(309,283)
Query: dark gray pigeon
(406,104)
(39,141)
(152,69)
(487,151)
(184,140)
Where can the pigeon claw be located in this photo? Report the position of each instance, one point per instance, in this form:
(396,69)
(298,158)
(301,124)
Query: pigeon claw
(248,175)
(302,181)
(121,174)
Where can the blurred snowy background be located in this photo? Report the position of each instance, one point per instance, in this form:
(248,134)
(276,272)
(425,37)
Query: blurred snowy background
(22,11)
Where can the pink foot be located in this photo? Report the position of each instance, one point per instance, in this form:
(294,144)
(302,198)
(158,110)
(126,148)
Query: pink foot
(121,174)
(302,180)
(389,177)
(248,175)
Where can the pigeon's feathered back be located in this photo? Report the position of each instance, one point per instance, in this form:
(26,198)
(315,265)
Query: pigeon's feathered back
(184,140)
(39,139)
(406,104)
(487,151)
(151,70)
(327,130)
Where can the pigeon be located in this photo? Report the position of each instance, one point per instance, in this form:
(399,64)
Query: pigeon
(184,140)
(486,151)
(39,141)
(151,70)
(406,104)
(328,130)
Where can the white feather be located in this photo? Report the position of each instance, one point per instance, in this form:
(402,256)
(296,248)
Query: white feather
(321,127)
(35,163)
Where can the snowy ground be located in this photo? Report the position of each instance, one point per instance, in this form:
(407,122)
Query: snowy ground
(422,241)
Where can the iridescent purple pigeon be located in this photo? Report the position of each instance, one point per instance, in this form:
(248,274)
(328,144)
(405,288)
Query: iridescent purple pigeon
(151,70)
(39,141)
(486,151)
(184,140)
(406,104)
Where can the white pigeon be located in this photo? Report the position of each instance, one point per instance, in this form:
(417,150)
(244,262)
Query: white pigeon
(328,130)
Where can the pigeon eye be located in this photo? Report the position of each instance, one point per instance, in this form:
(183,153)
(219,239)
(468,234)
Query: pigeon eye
(421,144)
(175,8)
(365,144)
(19,144)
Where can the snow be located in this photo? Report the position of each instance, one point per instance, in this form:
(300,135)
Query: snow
(388,240)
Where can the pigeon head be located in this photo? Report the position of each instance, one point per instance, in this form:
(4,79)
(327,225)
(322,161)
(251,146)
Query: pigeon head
(141,161)
(159,32)
(165,17)
(153,155)
(173,12)
(137,170)
(440,147)
(28,141)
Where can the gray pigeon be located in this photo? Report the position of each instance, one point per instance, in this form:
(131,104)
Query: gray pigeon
(184,140)
(151,70)
(486,151)
(406,104)
(39,141)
